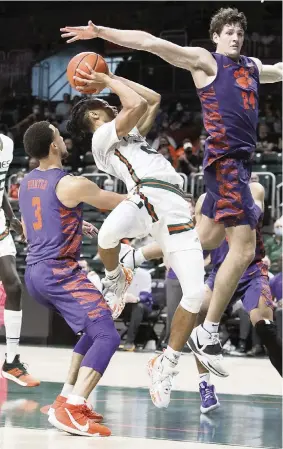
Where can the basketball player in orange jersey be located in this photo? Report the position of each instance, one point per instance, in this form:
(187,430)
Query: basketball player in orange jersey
(227,85)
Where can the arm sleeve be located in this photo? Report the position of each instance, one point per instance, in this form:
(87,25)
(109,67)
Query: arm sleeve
(103,144)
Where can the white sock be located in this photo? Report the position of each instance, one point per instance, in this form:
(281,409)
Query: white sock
(75,400)
(66,390)
(13,324)
(139,257)
(210,327)
(204,377)
(114,273)
(170,358)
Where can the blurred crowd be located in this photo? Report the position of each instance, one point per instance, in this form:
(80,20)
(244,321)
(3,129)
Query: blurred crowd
(177,133)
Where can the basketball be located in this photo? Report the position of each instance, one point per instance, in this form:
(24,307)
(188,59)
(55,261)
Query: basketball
(78,62)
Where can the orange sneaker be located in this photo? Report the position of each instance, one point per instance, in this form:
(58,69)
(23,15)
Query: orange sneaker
(75,419)
(17,372)
(61,400)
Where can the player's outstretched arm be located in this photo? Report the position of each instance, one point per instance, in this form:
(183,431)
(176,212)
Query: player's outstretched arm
(133,105)
(73,190)
(189,58)
(153,102)
(269,73)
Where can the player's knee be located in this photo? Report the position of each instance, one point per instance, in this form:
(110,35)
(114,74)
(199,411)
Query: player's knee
(14,294)
(248,253)
(210,240)
(107,236)
(192,301)
(245,255)
(112,336)
(115,339)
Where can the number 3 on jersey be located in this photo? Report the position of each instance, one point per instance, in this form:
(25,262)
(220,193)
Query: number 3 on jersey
(37,225)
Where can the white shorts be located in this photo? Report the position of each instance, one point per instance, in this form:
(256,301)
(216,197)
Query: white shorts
(161,212)
(7,246)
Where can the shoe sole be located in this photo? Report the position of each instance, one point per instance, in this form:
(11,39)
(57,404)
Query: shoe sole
(17,381)
(204,361)
(54,422)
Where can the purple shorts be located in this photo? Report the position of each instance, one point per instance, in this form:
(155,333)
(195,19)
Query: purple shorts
(228,197)
(250,291)
(62,285)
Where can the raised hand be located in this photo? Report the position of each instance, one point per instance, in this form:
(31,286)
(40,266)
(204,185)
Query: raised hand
(91,79)
(89,230)
(80,33)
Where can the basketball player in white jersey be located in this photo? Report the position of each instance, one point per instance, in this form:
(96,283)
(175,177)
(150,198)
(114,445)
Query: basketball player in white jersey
(12,369)
(156,205)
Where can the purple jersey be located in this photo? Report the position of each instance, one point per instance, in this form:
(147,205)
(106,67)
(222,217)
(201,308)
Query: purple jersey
(230,109)
(54,231)
(257,266)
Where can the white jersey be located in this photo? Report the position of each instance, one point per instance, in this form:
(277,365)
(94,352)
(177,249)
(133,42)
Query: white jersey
(130,158)
(6,157)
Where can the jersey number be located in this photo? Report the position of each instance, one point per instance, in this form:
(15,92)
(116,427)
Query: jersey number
(248,100)
(37,225)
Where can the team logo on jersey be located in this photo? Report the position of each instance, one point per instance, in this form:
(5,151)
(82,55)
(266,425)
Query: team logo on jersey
(243,77)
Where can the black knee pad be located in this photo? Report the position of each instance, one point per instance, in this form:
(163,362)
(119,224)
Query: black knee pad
(268,335)
(14,295)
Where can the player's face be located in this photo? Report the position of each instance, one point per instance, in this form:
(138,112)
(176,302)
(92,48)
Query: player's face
(60,144)
(230,40)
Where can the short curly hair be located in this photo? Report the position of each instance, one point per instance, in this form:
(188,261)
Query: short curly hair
(37,140)
(79,125)
(226,16)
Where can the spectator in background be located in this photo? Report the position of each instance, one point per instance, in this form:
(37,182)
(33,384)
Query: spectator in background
(14,187)
(74,156)
(254,177)
(91,274)
(49,116)
(4,130)
(36,116)
(168,151)
(75,100)
(139,305)
(276,290)
(273,246)
(264,141)
(188,162)
(32,164)
(164,134)
(63,108)
(62,113)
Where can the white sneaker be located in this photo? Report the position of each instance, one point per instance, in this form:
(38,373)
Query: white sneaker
(210,352)
(114,291)
(161,381)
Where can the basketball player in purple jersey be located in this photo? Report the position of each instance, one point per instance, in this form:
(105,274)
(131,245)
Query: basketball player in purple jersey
(227,85)
(51,204)
(254,291)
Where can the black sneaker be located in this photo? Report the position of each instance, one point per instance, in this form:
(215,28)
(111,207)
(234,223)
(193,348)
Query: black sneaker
(17,372)
(210,353)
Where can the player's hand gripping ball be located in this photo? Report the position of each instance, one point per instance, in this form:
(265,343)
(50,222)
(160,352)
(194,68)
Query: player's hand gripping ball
(77,72)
